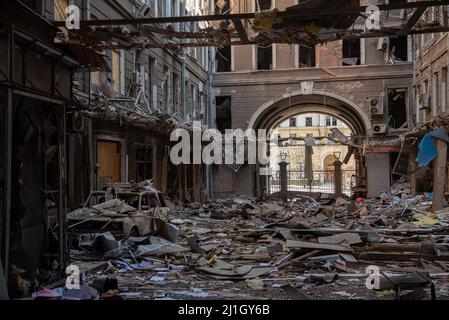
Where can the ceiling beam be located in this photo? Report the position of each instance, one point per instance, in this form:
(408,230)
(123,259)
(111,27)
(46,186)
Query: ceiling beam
(240,30)
(304,14)
(412,21)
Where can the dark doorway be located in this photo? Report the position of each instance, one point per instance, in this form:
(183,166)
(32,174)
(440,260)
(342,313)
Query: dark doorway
(224,114)
(397,108)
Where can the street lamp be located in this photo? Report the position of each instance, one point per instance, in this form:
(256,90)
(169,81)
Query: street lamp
(337,155)
(283,155)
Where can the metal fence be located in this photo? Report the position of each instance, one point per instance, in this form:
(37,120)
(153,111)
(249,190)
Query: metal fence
(323,182)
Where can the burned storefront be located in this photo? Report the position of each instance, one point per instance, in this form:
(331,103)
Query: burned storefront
(35,90)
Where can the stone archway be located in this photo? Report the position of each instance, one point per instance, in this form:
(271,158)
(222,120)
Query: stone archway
(273,112)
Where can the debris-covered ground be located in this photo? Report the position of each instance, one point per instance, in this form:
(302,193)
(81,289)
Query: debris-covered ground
(247,249)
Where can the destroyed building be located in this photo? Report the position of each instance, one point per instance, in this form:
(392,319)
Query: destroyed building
(347,79)
(88,113)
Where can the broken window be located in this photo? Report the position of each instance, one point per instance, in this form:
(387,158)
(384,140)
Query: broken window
(262,5)
(309,122)
(144,163)
(223,59)
(264,58)
(351,52)
(399,48)
(397,108)
(293,122)
(224,115)
(306,57)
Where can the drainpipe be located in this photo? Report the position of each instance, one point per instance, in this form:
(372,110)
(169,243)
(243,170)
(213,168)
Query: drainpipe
(183,87)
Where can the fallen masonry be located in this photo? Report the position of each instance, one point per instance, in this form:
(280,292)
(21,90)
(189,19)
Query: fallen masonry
(389,247)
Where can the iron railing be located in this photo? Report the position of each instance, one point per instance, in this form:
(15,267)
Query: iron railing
(323,181)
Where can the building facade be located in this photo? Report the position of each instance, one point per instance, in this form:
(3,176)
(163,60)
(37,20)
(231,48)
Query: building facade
(76,119)
(365,82)
(431,52)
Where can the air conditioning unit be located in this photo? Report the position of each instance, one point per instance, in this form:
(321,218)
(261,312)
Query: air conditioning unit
(376,106)
(383,44)
(75,121)
(379,128)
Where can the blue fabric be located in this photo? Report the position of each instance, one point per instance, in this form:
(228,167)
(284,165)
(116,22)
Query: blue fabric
(427,148)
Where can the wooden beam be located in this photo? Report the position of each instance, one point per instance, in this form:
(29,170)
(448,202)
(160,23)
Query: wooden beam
(349,155)
(439,176)
(412,21)
(240,30)
(383,149)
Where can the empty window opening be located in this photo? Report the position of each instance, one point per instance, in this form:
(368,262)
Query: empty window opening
(263,5)
(351,52)
(166,88)
(223,59)
(397,108)
(399,48)
(224,115)
(331,121)
(309,122)
(264,58)
(222,6)
(306,57)
(144,163)
(293,122)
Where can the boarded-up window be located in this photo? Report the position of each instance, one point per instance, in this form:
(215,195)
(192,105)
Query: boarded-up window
(306,56)
(109,159)
(264,58)
(59,9)
(166,89)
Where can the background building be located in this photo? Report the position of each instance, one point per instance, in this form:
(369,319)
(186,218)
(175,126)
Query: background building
(364,82)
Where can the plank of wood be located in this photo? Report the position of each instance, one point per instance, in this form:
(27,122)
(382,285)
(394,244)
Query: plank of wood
(297,244)
(240,30)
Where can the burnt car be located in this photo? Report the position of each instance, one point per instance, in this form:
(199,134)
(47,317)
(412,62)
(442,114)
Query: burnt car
(123,213)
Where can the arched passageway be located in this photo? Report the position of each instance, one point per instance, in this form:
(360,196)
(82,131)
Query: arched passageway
(297,116)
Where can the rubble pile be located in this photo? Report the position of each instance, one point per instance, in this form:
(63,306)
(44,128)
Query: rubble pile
(304,249)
